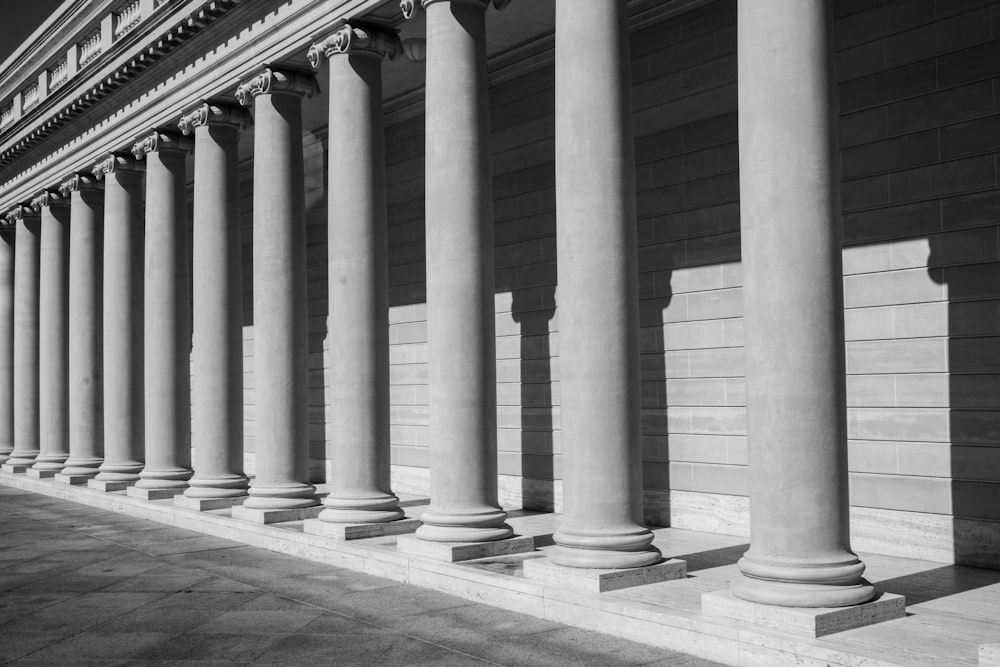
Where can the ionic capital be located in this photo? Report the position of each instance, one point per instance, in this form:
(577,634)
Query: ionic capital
(159,140)
(78,183)
(47,198)
(269,81)
(213,113)
(410,7)
(115,162)
(355,37)
(18,212)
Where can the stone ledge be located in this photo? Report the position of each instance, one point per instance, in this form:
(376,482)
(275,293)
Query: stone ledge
(453,552)
(601,580)
(106,486)
(359,531)
(206,504)
(242,513)
(73,479)
(803,621)
(153,494)
(40,474)
(15,469)
(989,655)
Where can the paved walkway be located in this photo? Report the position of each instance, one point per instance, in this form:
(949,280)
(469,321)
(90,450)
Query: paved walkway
(80,585)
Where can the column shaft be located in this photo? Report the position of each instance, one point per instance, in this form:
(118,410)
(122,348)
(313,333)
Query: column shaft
(26,311)
(598,296)
(279,298)
(794,333)
(53,364)
(217,383)
(6,342)
(460,304)
(358,323)
(86,388)
(123,342)
(167,314)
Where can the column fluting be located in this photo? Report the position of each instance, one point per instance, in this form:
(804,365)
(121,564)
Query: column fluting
(6,340)
(598,299)
(279,291)
(53,318)
(460,283)
(800,551)
(123,322)
(358,323)
(217,355)
(26,311)
(86,388)
(166,314)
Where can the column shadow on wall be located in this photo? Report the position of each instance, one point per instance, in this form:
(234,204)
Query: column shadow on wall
(973,393)
(317,295)
(655,429)
(537,446)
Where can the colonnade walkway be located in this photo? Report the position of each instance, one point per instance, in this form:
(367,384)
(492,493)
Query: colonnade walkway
(56,546)
(82,585)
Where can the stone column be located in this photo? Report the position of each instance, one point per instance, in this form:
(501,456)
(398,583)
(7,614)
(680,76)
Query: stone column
(217,357)
(26,311)
(123,343)
(53,317)
(460,304)
(598,299)
(6,340)
(86,389)
(167,318)
(358,325)
(279,291)
(800,552)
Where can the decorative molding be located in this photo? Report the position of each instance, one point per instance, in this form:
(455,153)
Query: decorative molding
(273,80)
(47,198)
(213,113)
(353,37)
(78,183)
(18,212)
(90,48)
(159,140)
(113,162)
(410,7)
(128,18)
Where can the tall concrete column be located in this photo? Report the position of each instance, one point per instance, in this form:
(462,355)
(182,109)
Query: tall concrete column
(597,299)
(217,357)
(281,341)
(123,342)
(86,388)
(6,340)
(800,552)
(53,317)
(26,311)
(167,314)
(358,325)
(460,304)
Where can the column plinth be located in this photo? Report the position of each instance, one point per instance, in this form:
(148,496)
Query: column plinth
(122,351)
(279,291)
(86,388)
(167,318)
(460,301)
(800,553)
(53,362)
(26,330)
(358,324)
(6,340)
(217,355)
(598,294)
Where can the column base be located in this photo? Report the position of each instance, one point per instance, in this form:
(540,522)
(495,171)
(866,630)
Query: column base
(454,552)
(16,468)
(989,655)
(253,515)
(206,504)
(358,531)
(600,580)
(153,494)
(803,621)
(41,474)
(108,485)
(63,478)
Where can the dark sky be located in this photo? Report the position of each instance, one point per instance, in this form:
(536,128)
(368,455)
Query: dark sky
(20,18)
